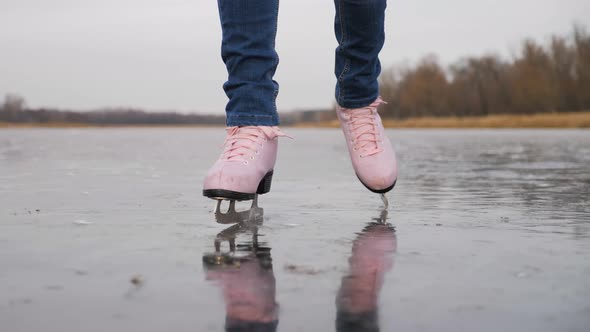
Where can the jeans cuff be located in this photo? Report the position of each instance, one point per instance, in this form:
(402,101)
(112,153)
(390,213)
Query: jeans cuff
(252,120)
(356,103)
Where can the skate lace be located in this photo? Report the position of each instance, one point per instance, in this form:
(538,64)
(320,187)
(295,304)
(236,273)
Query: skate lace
(364,128)
(243,142)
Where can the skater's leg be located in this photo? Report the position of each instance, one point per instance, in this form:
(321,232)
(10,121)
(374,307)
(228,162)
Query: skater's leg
(246,165)
(359,27)
(248,51)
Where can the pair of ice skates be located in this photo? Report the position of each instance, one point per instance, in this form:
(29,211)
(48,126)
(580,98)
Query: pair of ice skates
(245,167)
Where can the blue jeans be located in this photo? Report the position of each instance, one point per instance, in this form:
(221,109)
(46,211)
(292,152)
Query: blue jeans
(248,50)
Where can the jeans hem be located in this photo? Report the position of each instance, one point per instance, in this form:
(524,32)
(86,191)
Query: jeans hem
(252,120)
(356,103)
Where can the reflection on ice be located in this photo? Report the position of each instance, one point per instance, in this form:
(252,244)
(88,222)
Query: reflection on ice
(244,272)
(385,201)
(371,258)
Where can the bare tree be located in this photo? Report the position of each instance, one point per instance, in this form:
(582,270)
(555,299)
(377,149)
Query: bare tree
(12,107)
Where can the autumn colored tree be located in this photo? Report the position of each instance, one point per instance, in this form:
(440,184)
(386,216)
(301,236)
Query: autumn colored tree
(421,91)
(551,78)
(582,65)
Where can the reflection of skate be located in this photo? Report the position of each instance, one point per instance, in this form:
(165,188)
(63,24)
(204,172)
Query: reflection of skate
(236,255)
(385,202)
(244,272)
(372,257)
(244,222)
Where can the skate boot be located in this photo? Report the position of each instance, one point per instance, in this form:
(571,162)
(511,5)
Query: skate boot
(371,152)
(245,166)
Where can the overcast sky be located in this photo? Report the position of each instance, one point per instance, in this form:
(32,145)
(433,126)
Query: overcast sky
(165,54)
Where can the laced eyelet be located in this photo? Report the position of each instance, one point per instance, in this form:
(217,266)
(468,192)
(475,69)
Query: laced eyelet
(245,162)
(251,157)
(257,152)
(355,149)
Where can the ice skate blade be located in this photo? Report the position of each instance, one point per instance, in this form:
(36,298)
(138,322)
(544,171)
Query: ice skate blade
(232,216)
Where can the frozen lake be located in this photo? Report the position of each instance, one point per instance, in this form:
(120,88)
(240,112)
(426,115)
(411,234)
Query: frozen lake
(106,230)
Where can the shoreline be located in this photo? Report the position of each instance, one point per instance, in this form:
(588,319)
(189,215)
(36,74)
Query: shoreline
(570,120)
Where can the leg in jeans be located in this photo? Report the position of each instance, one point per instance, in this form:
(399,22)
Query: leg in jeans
(359,27)
(246,165)
(248,51)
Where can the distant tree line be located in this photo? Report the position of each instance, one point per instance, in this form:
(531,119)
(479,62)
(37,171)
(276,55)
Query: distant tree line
(550,78)
(540,78)
(14,110)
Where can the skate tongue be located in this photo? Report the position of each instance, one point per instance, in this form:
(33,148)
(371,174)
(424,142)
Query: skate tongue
(240,142)
(243,141)
(364,130)
(364,127)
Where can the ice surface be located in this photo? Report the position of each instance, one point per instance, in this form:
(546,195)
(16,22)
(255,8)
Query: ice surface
(486,230)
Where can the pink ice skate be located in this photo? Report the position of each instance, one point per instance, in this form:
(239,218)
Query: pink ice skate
(371,152)
(246,164)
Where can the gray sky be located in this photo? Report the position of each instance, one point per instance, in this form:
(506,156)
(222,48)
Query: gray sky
(164,54)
